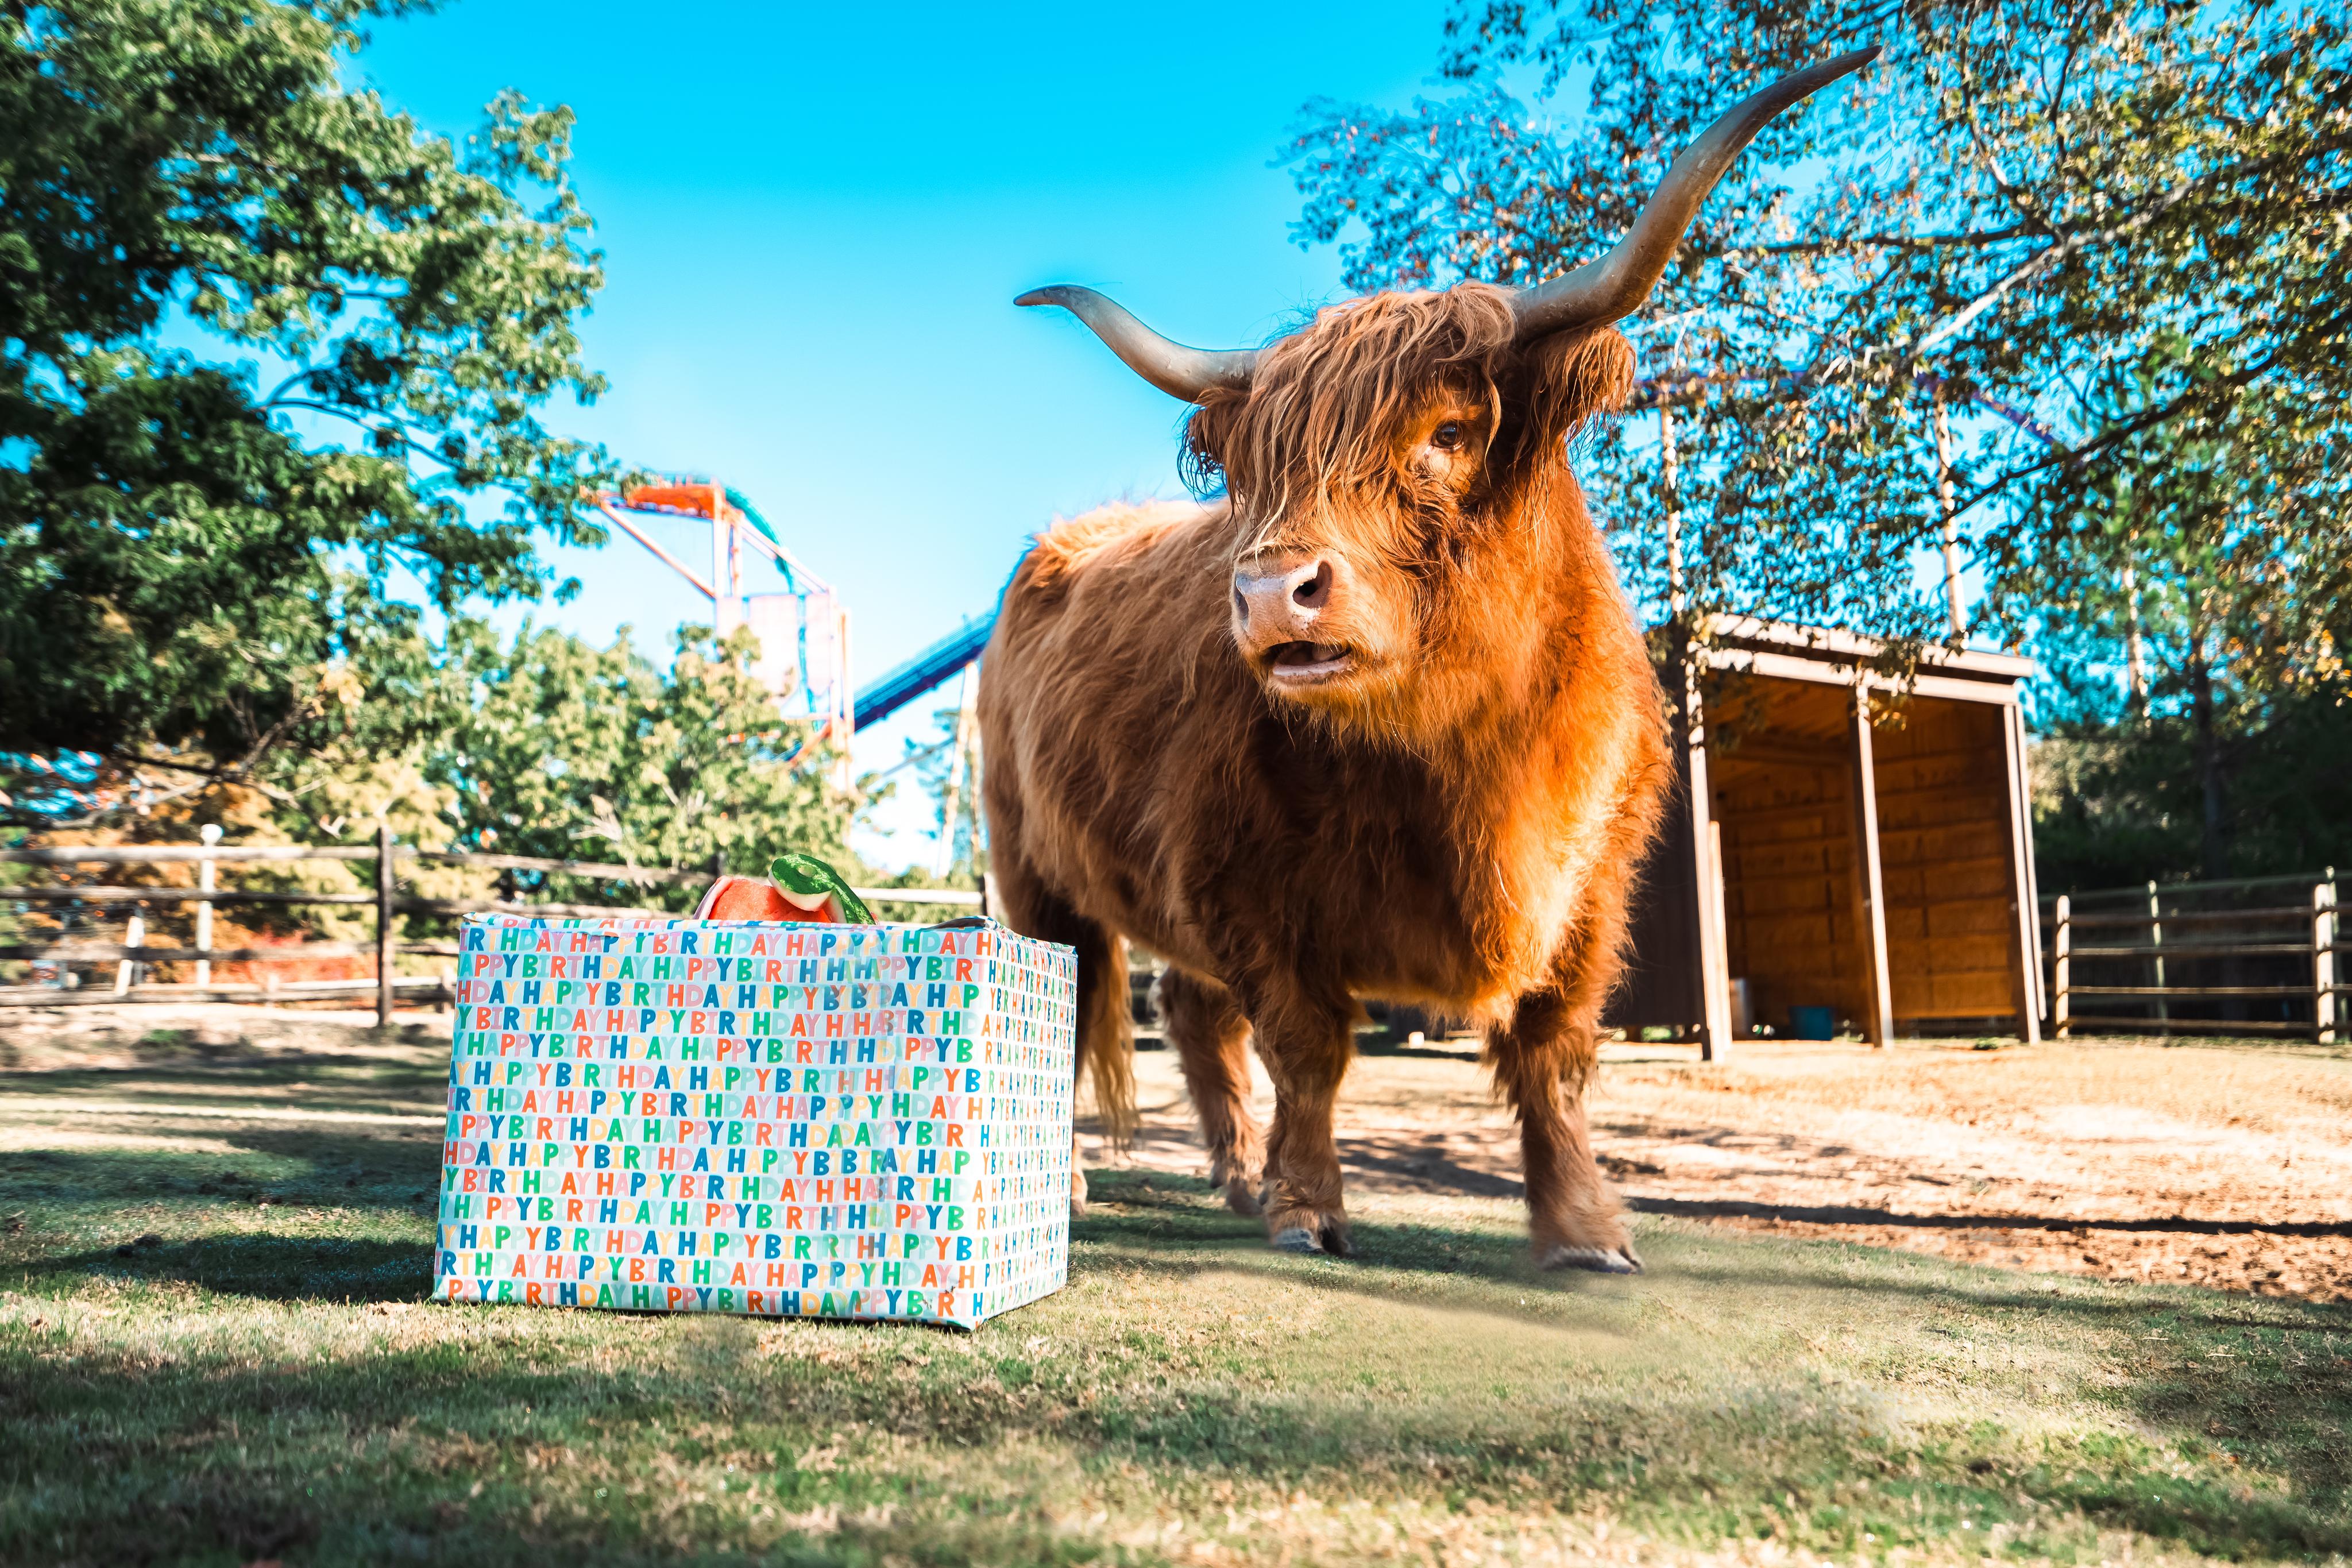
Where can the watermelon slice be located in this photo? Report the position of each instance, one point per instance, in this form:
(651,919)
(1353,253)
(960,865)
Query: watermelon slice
(805,889)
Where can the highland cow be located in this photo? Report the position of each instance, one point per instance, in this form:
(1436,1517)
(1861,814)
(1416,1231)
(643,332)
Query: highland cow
(1376,722)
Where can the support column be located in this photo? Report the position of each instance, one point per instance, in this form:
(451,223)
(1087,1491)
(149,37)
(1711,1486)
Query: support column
(1706,864)
(1870,921)
(206,881)
(1707,875)
(727,603)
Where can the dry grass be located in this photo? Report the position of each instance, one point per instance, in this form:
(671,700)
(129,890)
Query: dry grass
(263,1378)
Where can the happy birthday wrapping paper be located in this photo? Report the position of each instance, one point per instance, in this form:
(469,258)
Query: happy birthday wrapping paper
(777,1120)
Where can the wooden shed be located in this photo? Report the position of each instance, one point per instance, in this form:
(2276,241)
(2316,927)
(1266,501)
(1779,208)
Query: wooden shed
(1842,842)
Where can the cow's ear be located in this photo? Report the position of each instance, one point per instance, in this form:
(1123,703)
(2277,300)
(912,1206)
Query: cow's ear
(1565,380)
(1208,437)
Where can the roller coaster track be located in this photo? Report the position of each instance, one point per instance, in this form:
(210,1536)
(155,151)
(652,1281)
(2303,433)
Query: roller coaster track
(925,672)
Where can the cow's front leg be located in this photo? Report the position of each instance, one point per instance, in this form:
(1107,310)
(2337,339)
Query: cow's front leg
(1306,1045)
(1543,1061)
(1211,1040)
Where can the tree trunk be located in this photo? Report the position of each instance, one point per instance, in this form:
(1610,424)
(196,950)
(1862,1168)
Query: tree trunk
(2215,849)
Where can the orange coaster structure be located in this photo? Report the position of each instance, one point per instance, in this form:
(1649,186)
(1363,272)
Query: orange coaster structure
(804,631)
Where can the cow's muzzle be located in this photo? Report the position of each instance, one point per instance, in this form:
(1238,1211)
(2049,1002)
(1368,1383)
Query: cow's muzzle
(1282,608)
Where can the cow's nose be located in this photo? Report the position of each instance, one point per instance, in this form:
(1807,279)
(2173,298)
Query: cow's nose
(1279,602)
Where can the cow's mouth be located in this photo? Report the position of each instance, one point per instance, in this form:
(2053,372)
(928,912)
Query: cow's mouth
(1305,663)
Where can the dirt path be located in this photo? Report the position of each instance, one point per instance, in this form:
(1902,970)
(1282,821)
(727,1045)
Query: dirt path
(2218,1164)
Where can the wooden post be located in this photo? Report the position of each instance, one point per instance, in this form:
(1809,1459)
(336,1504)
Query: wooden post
(2155,938)
(206,880)
(950,792)
(386,880)
(2062,970)
(134,935)
(1705,836)
(2322,963)
(1878,999)
(1706,867)
(2025,940)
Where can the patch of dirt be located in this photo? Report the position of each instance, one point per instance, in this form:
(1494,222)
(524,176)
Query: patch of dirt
(2218,1164)
(110,1037)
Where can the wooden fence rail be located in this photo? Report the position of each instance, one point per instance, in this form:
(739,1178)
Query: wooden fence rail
(2270,952)
(386,899)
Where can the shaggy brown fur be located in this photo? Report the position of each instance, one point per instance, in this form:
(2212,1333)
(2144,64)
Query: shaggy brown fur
(1454,822)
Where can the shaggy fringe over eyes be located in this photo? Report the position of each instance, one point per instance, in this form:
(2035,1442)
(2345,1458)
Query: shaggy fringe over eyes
(1321,413)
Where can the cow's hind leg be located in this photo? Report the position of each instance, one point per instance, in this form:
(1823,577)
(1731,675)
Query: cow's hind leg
(1211,1037)
(1106,1031)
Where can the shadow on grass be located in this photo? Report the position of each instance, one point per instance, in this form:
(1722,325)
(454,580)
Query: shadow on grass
(379,1168)
(267,1268)
(324,1078)
(1848,1214)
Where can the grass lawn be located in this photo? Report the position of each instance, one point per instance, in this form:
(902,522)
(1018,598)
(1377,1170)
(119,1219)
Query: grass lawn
(215,1347)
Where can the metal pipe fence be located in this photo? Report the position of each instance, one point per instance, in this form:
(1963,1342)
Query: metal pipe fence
(386,899)
(2252,956)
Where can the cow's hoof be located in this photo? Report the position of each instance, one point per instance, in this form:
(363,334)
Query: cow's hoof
(1323,1234)
(1597,1259)
(1241,1183)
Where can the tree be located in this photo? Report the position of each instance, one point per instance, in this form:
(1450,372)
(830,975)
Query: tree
(192,567)
(561,750)
(2225,751)
(2076,227)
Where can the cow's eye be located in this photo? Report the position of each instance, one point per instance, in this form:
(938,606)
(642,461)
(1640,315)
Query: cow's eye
(1446,437)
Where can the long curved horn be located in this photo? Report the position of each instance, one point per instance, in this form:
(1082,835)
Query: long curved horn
(1613,286)
(1178,371)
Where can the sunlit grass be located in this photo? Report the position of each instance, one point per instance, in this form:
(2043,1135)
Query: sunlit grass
(261,1376)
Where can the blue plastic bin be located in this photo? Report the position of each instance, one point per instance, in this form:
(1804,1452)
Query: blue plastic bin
(1812,1024)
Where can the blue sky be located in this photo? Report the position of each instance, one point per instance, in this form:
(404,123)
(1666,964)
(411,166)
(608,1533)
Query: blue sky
(815,220)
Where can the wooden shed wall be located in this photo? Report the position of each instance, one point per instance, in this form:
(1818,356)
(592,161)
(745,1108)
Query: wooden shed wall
(1782,776)
(1944,847)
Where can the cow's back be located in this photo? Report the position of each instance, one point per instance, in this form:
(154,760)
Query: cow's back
(1093,676)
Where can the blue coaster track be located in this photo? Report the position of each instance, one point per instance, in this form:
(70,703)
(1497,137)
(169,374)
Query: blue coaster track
(925,672)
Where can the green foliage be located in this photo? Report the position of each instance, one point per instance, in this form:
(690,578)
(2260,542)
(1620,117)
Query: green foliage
(557,749)
(2121,220)
(189,564)
(2123,801)
(2224,611)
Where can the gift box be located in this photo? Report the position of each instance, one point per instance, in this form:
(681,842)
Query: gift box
(776,1120)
